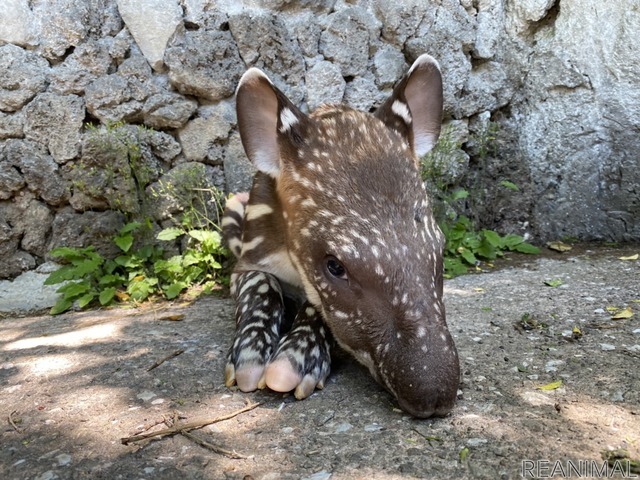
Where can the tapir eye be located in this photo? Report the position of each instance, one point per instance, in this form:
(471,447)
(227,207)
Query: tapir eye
(335,268)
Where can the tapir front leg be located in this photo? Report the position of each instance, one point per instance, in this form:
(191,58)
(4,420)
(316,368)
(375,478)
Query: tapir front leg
(303,358)
(259,324)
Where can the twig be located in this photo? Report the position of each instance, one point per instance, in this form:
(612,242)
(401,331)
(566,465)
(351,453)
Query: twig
(168,357)
(12,423)
(214,448)
(187,426)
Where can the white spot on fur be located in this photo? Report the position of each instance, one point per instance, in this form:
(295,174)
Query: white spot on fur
(287,119)
(402,110)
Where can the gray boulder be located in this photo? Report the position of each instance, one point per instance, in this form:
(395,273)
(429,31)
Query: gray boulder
(265,42)
(72,229)
(325,84)
(23,75)
(347,39)
(39,171)
(152,23)
(56,121)
(205,64)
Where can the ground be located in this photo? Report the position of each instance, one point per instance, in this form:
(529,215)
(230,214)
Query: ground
(72,386)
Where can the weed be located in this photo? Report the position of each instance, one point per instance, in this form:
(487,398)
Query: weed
(466,245)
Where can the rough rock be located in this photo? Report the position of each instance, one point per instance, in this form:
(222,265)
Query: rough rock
(115,167)
(88,61)
(12,294)
(16,23)
(265,42)
(72,229)
(63,25)
(167,110)
(305,28)
(187,185)
(389,66)
(56,121)
(11,181)
(200,134)
(39,171)
(325,84)
(110,99)
(23,75)
(363,94)
(400,20)
(238,170)
(205,64)
(347,38)
(152,23)
(11,125)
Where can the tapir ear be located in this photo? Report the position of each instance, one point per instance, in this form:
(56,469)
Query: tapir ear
(267,120)
(414,108)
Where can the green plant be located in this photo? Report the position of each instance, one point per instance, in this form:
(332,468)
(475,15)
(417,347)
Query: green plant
(466,245)
(135,275)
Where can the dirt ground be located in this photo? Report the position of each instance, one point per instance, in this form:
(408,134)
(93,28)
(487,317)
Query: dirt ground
(72,386)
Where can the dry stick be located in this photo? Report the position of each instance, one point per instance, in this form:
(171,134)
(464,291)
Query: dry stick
(168,357)
(11,422)
(223,451)
(187,426)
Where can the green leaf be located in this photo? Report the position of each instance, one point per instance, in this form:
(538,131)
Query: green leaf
(511,240)
(468,256)
(106,295)
(459,194)
(191,258)
(62,274)
(124,242)
(90,265)
(61,306)
(170,233)
(130,227)
(525,247)
(493,238)
(70,253)
(205,236)
(553,283)
(510,185)
(139,289)
(86,299)
(173,290)
(72,291)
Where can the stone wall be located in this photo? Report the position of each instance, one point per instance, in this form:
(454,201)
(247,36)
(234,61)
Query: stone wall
(102,102)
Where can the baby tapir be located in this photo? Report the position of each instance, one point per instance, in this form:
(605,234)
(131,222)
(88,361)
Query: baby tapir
(338,227)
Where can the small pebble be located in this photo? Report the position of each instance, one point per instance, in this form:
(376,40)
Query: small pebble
(63,459)
(637,331)
(322,475)
(343,427)
(476,442)
(157,401)
(373,427)
(287,430)
(599,310)
(607,347)
(146,395)
(634,348)
(552,365)
(149,470)
(617,397)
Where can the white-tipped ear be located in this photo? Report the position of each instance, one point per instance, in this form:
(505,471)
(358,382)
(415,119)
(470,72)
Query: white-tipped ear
(415,107)
(266,119)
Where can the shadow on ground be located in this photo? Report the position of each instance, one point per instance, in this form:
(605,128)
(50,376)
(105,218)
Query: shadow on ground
(74,385)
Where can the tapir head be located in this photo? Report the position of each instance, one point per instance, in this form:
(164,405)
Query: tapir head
(359,227)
